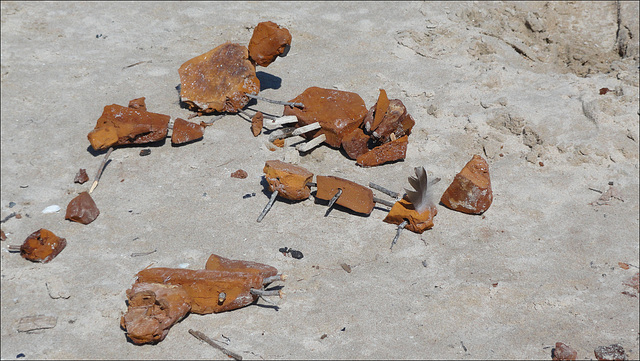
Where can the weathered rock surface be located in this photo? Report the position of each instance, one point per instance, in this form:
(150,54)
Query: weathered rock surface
(82,209)
(269,40)
(218,80)
(120,125)
(356,143)
(257,122)
(418,222)
(289,180)
(388,152)
(42,246)
(338,112)
(217,263)
(611,352)
(185,131)
(354,196)
(470,191)
(138,103)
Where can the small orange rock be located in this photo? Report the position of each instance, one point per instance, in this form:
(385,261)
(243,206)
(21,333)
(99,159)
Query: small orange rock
(120,125)
(42,246)
(279,143)
(138,104)
(388,152)
(563,352)
(241,174)
(289,180)
(217,81)
(338,112)
(470,191)
(354,196)
(269,40)
(82,209)
(418,222)
(256,123)
(185,131)
(356,143)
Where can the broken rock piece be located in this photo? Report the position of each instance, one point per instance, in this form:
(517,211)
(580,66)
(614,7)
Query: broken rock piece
(81,176)
(388,152)
(257,121)
(611,352)
(563,352)
(470,191)
(356,143)
(354,196)
(82,209)
(269,40)
(241,174)
(120,125)
(217,81)
(418,221)
(152,309)
(42,246)
(138,104)
(217,263)
(338,112)
(394,121)
(289,180)
(184,131)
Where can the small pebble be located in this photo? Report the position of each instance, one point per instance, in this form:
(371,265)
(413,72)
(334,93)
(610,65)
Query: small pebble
(12,204)
(248,195)
(241,174)
(145,152)
(51,209)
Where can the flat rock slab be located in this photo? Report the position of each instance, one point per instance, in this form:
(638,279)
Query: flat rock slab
(42,246)
(354,196)
(418,221)
(288,179)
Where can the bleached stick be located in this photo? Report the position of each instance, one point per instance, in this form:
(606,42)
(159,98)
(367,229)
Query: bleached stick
(306,128)
(312,143)
(287,119)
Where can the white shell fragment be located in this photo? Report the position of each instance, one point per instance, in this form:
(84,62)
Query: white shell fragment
(51,209)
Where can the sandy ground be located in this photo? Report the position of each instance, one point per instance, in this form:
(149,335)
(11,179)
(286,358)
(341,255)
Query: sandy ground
(517,83)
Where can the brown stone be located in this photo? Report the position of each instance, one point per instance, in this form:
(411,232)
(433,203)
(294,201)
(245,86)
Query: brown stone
(470,191)
(184,131)
(418,222)
(279,143)
(269,40)
(289,180)
(257,121)
(388,152)
(338,112)
(611,352)
(152,309)
(240,174)
(81,176)
(395,122)
(120,125)
(42,246)
(3,237)
(381,107)
(356,143)
(138,103)
(82,209)
(563,352)
(217,81)
(354,196)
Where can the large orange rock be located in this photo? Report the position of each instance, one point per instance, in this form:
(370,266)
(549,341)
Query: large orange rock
(269,40)
(42,246)
(470,191)
(120,125)
(184,131)
(218,80)
(388,152)
(418,222)
(288,179)
(338,112)
(354,196)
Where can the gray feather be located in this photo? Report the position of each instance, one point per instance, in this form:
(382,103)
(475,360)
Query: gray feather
(420,196)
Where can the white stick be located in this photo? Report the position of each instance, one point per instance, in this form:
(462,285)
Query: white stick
(288,119)
(312,143)
(306,128)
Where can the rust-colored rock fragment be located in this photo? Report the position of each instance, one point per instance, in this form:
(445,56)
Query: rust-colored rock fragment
(3,237)
(338,112)
(257,121)
(82,209)
(563,352)
(42,246)
(153,308)
(381,107)
(81,176)
(241,174)
(138,103)
(356,143)
(354,196)
(611,352)
(120,125)
(185,131)
(217,263)
(470,192)
(269,40)
(394,123)
(288,179)
(418,222)
(279,143)
(388,152)
(218,80)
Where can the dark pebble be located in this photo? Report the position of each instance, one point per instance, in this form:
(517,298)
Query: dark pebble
(145,152)
(20,355)
(12,204)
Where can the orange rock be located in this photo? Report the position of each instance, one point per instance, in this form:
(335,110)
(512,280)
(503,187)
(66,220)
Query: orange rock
(354,196)
(338,112)
(82,209)
(184,131)
(42,246)
(381,107)
(278,143)
(395,122)
(470,191)
(120,125)
(418,222)
(138,103)
(356,143)
(388,152)
(256,123)
(217,81)
(269,40)
(289,180)
(217,263)
(152,309)
(563,352)
(241,174)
